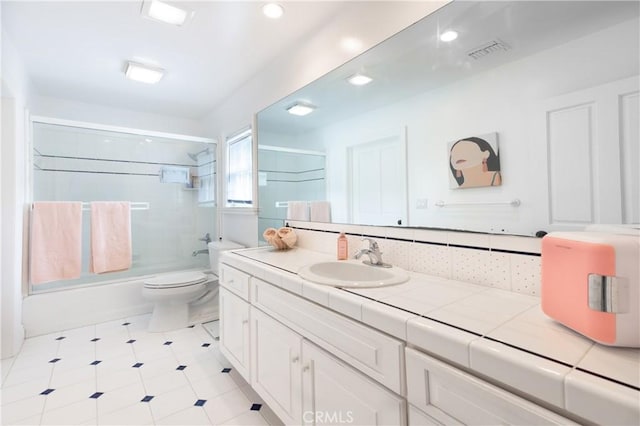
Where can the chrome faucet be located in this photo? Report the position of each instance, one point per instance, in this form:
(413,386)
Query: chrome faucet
(207,240)
(197,252)
(375,256)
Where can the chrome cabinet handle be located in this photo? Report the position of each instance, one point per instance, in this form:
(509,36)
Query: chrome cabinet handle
(306,368)
(295,359)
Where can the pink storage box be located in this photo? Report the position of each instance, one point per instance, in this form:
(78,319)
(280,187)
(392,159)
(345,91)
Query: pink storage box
(590,284)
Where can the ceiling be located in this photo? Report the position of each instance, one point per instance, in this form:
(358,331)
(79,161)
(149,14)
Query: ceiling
(77,50)
(415,61)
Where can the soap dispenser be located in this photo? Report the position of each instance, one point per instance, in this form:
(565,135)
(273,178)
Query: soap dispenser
(343,247)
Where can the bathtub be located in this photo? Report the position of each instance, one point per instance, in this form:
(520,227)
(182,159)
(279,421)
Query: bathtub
(81,306)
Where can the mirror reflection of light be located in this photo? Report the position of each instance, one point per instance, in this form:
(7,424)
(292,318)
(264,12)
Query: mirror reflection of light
(448,36)
(300,109)
(359,79)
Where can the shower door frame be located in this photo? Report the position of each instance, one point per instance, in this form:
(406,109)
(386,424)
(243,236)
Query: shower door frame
(32,119)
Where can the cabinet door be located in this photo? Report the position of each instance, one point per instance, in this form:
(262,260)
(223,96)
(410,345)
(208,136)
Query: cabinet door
(449,395)
(275,366)
(334,393)
(234,331)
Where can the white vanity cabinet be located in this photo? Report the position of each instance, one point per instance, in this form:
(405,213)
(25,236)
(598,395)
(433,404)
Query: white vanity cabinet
(444,394)
(304,384)
(310,365)
(234,318)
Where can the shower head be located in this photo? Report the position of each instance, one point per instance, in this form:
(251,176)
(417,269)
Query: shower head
(194,157)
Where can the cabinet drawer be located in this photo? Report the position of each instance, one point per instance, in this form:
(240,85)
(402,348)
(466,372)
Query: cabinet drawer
(444,392)
(376,354)
(234,280)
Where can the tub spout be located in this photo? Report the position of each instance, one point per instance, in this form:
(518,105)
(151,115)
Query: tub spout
(197,252)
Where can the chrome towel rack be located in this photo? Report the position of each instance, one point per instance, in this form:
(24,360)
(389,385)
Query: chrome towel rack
(134,206)
(513,203)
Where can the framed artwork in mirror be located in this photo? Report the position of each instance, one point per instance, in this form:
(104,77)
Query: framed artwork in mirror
(474,162)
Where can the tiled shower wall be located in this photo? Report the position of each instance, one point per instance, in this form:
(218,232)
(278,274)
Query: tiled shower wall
(502,261)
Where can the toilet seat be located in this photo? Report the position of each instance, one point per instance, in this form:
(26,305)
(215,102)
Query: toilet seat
(183,279)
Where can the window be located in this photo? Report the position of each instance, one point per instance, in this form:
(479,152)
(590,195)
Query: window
(239,170)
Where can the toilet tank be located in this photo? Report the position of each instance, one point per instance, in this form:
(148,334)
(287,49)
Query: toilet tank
(217,247)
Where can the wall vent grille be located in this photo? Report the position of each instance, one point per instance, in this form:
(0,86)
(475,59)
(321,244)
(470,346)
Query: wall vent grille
(488,48)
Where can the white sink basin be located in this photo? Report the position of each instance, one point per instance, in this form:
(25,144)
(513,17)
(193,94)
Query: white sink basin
(352,274)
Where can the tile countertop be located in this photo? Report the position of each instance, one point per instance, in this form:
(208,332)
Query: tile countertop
(495,332)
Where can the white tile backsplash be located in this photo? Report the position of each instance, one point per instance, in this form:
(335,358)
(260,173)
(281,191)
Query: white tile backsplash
(469,265)
(396,252)
(525,274)
(431,236)
(498,261)
(468,239)
(515,243)
(430,259)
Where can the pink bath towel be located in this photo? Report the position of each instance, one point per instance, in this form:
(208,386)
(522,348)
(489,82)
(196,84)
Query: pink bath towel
(56,241)
(110,236)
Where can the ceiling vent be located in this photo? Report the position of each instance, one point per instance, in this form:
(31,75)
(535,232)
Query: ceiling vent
(488,48)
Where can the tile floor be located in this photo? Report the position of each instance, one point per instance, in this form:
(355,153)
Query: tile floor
(117,373)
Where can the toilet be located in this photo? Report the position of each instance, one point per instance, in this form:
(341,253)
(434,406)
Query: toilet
(185,298)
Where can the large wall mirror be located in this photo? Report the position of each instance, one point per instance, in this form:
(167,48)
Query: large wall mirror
(527,121)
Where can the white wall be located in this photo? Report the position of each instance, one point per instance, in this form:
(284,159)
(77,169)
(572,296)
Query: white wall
(93,113)
(504,100)
(312,58)
(15,98)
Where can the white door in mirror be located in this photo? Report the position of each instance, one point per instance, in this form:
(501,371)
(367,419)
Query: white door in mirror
(352,274)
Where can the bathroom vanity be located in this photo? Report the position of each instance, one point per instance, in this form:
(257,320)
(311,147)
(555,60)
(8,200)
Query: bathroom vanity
(428,351)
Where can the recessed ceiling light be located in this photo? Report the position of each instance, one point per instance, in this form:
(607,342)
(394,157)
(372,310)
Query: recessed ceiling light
(165,12)
(143,73)
(359,79)
(351,44)
(449,35)
(301,109)
(272,10)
